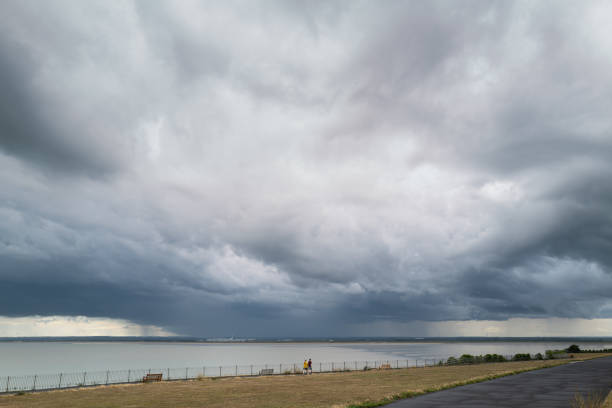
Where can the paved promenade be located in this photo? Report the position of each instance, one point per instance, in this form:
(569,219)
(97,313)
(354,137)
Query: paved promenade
(549,387)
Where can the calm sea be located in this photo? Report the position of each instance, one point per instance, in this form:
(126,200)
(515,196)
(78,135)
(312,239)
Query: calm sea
(23,358)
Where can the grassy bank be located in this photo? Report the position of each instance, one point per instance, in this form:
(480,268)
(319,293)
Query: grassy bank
(358,389)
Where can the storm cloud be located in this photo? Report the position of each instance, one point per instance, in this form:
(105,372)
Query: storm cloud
(291,168)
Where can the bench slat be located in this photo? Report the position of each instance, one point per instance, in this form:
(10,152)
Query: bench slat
(152,377)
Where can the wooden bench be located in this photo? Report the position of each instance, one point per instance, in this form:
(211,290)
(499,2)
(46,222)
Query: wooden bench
(385,366)
(152,377)
(266,371)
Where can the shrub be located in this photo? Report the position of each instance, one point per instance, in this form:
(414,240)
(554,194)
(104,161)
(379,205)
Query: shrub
(452,361)
(556,354)
(466,359)
(494,358)
(521,357)
(597,351)
(539,356)
(573,349)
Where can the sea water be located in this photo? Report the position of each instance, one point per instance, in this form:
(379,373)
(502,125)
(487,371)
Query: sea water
(25,358)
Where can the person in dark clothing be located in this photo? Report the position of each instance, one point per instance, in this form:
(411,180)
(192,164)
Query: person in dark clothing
(309,366)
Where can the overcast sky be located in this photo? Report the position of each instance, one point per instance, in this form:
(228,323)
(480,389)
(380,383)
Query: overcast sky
(290,168)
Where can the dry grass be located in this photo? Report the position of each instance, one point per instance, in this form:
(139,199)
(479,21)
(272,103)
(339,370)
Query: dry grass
(608,402)
(319,390)
(592,400)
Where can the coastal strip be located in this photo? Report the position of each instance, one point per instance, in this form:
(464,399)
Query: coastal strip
(337,390)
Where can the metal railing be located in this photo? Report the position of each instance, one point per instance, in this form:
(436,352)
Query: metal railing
(41,382)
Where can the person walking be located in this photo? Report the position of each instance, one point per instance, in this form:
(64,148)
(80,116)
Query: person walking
(309,366)
(305,367)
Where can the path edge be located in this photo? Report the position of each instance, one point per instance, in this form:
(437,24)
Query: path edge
(412,394)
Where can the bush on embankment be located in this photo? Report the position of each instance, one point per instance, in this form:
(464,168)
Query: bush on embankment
(575,349)
(470,359)
(497,358)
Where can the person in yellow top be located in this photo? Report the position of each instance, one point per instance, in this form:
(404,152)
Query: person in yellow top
(305,367)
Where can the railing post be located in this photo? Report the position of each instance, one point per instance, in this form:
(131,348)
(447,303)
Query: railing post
(168,372)
(236,370)
(320,365)
(107,376)
(129,372)
(84,376)
(251,369)
(344,362)
(396,363)
(186,370)
(8,379)
(59,385)
(34,385)
(203,371)
(332,366)
(219,371)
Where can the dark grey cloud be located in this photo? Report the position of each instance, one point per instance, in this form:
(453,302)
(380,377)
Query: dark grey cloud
(291,168)
(29,129)
(74,92)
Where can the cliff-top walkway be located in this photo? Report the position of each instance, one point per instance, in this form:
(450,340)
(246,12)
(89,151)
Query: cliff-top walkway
(344,389)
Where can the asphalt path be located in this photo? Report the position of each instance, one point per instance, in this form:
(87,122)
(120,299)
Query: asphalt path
(548,387)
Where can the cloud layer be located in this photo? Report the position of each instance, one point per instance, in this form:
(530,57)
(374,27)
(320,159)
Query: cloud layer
(290,168)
